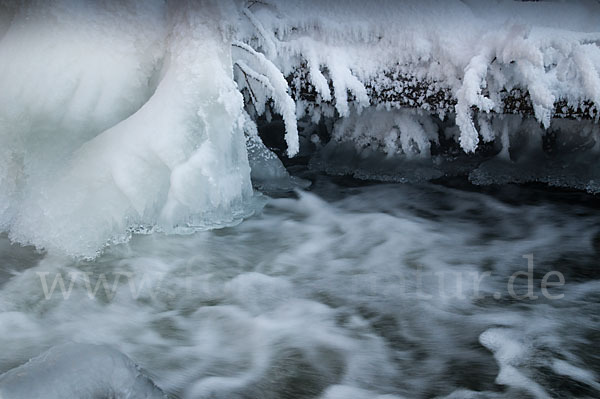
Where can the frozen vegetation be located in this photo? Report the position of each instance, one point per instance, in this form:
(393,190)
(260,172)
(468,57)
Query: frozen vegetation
(140,116)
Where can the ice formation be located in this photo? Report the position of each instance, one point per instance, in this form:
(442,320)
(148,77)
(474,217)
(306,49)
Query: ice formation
(137,116)
(78,371)
(132,119)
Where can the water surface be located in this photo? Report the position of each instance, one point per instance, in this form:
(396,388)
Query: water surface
(343,291)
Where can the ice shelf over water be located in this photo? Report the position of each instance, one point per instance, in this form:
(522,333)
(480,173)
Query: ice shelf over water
(136,115)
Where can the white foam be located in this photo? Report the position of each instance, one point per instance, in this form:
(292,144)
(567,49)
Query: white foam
(578,374)
(318,295)
(509,354)
(344,391)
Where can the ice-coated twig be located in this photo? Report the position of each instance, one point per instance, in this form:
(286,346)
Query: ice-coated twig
(268,39)
(248,85)
(284,104)
(470,95)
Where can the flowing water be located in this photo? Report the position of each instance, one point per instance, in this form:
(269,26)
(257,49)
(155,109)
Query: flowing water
(344,290)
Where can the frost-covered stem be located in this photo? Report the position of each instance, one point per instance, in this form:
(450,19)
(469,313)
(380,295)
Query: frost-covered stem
(249,72)
(470,95)
(254,99)
(253,2)
(270,48)
(284,104)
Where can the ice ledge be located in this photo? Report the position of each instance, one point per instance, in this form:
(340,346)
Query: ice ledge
(78,371)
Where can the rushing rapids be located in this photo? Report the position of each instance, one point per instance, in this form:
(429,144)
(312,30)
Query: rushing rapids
(136,135)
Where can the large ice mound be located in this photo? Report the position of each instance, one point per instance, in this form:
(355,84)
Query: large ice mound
(118,116)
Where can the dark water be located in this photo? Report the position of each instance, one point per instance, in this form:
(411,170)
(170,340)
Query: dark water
(347,290)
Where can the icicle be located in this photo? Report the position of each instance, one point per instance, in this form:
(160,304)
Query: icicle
(412,134)
(485,128)
(505,140)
